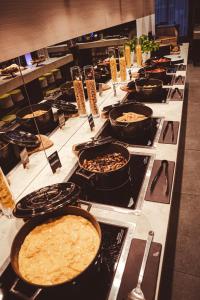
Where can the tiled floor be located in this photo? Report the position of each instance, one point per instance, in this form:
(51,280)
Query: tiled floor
(181,272)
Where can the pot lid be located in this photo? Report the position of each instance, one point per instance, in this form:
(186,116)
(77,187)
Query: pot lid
(92,143)
(46,200)
(22,138)
(66,107)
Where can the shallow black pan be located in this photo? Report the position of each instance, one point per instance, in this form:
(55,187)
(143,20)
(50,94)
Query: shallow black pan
(30,225)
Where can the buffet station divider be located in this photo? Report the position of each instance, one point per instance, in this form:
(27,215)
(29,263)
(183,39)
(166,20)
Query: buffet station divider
(135,214)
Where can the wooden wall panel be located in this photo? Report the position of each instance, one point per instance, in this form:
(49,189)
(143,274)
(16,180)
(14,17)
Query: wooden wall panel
(28,25)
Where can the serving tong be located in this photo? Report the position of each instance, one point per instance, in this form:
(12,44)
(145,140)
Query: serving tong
(164,165)
(176,90)
(169,124)
(177,78)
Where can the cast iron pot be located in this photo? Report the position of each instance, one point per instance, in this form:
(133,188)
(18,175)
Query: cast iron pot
(154,72)
(159,61)
(105,180)
(148,87)
(44,122)
(129,130)
(31,224)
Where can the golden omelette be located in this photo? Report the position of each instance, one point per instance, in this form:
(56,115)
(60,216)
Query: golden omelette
(58,251)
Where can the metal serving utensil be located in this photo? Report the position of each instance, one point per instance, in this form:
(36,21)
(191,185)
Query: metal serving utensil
(136,293)
(169,123)
(164,163)
(176,90)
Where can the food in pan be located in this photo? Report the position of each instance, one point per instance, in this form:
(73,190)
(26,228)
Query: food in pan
(58,251)
(105,163)
(157,70)
(149,86)
(36,113)
(131,117)
(161,60)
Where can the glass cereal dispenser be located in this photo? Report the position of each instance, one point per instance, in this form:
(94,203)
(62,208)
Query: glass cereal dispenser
(91,89)
(78,90)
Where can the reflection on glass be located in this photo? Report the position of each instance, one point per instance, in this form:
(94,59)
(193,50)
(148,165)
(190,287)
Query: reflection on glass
(91,89)
(78,90)
(6,200)
(127,50)
(113,64)
(122,64)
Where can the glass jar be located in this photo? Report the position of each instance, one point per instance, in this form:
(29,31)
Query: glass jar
(6,199)
(122,64)
(78,90)
(91,89)
(127,50)
(113,64)
(138,51)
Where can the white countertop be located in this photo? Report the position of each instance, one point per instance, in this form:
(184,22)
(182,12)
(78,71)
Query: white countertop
(154,216)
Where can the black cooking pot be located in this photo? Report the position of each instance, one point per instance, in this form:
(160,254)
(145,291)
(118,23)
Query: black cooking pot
(129,130)
(159,61)
(148,87)
(31,224)
(44,121)
(154,72)
(105,180)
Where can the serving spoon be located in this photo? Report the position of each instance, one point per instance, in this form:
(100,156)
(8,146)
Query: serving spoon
(136,293)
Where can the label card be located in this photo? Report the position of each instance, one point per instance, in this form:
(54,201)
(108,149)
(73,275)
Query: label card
(91,121)
(61,120)
(54,161)
(24,157)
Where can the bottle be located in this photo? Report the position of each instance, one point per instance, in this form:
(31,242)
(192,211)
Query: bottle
(113,64)
(138,54)
(78,90)
(122,64)
(127,49)
(91,89)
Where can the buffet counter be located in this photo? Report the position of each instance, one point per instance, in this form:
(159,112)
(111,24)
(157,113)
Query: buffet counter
(147,215)
(29,74)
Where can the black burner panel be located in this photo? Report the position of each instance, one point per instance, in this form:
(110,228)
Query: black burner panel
(145,139)
(168,80)
(125,196)
(95,285)
(162,98)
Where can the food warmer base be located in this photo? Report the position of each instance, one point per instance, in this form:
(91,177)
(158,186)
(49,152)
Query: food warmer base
(122,197)
(168,79)
(162,98)
(146,139)
(95,285)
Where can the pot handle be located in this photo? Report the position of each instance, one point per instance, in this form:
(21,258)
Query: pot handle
(89,205)
(21,295)
(120,125)
(85,174)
